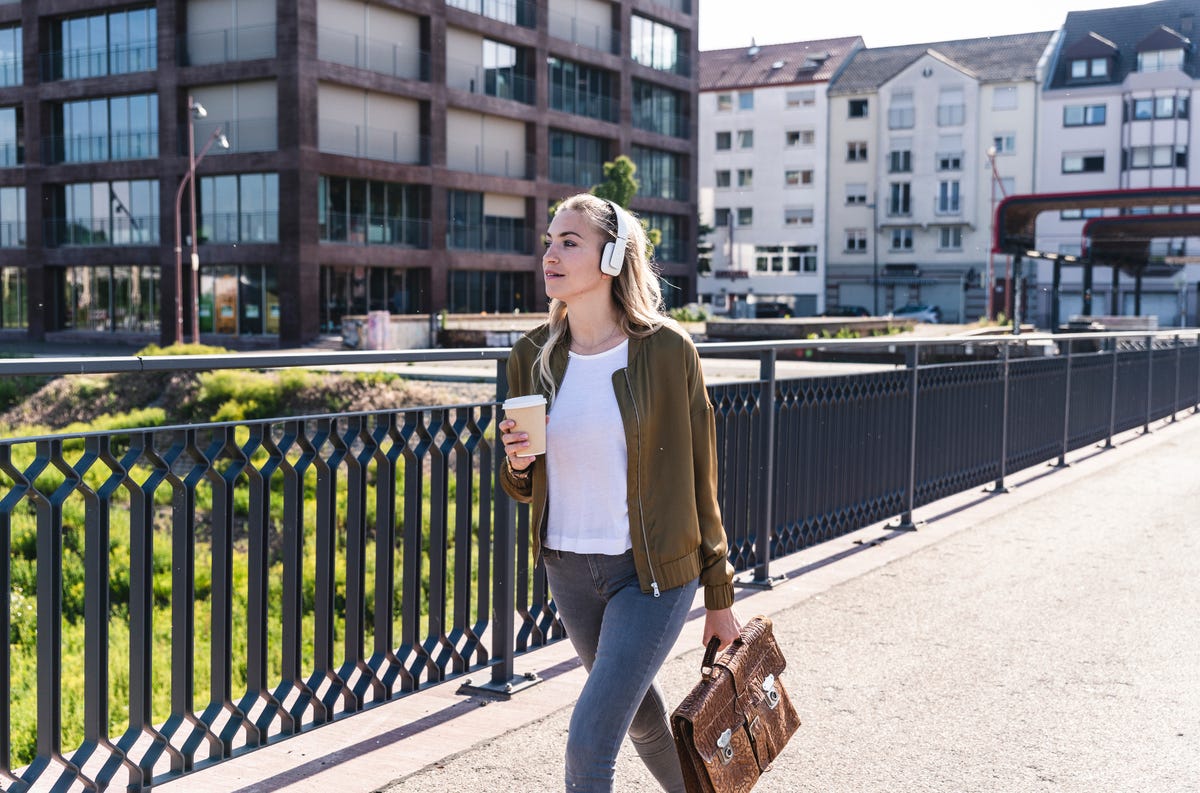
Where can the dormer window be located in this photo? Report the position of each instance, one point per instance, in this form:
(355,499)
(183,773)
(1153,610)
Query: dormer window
(1162,51)
(1089,68)
(1160,61)
(1090,59)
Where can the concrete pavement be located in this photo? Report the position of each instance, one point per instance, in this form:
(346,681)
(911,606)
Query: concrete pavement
(1043,640)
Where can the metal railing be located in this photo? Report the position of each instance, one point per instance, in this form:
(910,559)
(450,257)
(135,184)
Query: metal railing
(205,47)
(371,54)
(220,587)
(372,143)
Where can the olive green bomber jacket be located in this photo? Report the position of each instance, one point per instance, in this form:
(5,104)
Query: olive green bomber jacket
(674,520)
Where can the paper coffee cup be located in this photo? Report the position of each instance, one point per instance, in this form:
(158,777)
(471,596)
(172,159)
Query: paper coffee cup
(529,413)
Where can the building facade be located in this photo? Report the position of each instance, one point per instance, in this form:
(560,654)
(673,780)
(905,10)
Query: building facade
(395,155)
(1117,113)
(911,183)
(763,175)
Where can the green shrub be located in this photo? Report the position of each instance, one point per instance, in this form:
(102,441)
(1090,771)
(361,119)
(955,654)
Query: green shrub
(180,349)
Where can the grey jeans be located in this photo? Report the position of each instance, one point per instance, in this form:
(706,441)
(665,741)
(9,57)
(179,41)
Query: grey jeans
(623,636)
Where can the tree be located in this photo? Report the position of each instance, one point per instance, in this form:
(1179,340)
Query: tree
(619,185)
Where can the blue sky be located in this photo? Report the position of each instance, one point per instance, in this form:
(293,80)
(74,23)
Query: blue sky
(732,23)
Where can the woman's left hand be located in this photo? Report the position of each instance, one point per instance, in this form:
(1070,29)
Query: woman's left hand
(723,624)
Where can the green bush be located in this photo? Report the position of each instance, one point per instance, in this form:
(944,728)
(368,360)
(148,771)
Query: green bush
(180,349)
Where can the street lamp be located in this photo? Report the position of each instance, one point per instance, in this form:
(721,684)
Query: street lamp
(988,282)
(195,111)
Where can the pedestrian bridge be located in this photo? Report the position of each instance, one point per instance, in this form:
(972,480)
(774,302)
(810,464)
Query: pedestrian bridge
(280,575)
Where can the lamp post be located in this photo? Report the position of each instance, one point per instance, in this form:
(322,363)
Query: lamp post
(989,280)
(195,111)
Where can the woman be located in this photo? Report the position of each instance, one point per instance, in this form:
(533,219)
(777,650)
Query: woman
(624,500)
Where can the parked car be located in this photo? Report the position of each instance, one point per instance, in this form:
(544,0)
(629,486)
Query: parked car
(847,311)
(771,310)
(918,312)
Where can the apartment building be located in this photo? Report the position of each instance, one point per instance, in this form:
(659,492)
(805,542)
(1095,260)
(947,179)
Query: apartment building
(393,155)
(763,173)
(1117,113)
(912,135)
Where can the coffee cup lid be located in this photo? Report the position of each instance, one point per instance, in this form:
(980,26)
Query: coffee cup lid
(515,403)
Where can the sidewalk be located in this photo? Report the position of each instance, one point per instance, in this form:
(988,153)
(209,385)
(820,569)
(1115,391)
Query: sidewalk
(1045,639)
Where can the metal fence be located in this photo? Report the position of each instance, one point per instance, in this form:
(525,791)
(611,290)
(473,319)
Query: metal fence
(187,594)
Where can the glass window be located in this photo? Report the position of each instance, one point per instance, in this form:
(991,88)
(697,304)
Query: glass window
(724,102)
(856,194)
(659,109)
(1084,115)
(856,240)
(12,217)
(656,45)
(902,239)
(858,108)
(723,179)
(11,56)
(724,141)
(577,159)
(660,174)
(795,99)
(12,136)
(950,238)
(948,196)
(745,177)
(856,151)
(797,216)
(745,100)
(721,218)
(118,42)
(900,198)
(745,216)
(1083,163)
(111,298)
(745,138)
(13,298)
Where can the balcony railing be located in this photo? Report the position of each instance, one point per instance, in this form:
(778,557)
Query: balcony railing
(360,229)
(674,124)
(584,103)
(372,143)
(500,83)
(100,148)
(181,594)
(201,48)
(239,227)
(12,234)
(489,237)
(243,135)
(122,230)
(11,72)
(582,173)
(490,160)
(99,61)
(12,155)
(570,28)
(514,12)
(375,55)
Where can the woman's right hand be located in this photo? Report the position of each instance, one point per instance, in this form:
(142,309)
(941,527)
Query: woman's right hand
(514,444)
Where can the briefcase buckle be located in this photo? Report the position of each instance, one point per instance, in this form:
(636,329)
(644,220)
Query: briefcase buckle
(723,743)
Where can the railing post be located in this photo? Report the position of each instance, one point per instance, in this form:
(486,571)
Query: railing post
(1149,383)
(504,681)
(999,486)
(766,475)
(1066,436)
(914,361)
(1196,409)
(1178,376)
(1112,410)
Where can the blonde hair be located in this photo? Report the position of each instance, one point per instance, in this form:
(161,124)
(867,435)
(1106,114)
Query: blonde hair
(636,292)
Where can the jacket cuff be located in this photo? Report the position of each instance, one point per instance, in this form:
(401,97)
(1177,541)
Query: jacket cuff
(718,597)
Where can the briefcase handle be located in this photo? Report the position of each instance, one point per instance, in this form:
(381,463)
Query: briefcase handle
(710,653)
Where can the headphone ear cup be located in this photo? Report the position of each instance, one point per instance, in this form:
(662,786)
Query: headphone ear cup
(606,259)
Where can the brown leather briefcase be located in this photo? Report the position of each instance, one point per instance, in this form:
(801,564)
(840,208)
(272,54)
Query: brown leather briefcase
(738,718)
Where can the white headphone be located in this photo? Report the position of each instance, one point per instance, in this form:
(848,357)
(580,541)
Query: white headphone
(614,252)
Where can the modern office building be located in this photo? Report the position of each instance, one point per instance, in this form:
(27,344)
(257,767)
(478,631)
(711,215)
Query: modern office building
(911,131)
(396,154)
(762,180)
(1118,107)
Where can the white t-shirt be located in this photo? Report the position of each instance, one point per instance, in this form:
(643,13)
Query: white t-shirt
(587,459)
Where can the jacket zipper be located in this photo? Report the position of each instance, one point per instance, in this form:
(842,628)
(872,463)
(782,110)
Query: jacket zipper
(641,511)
